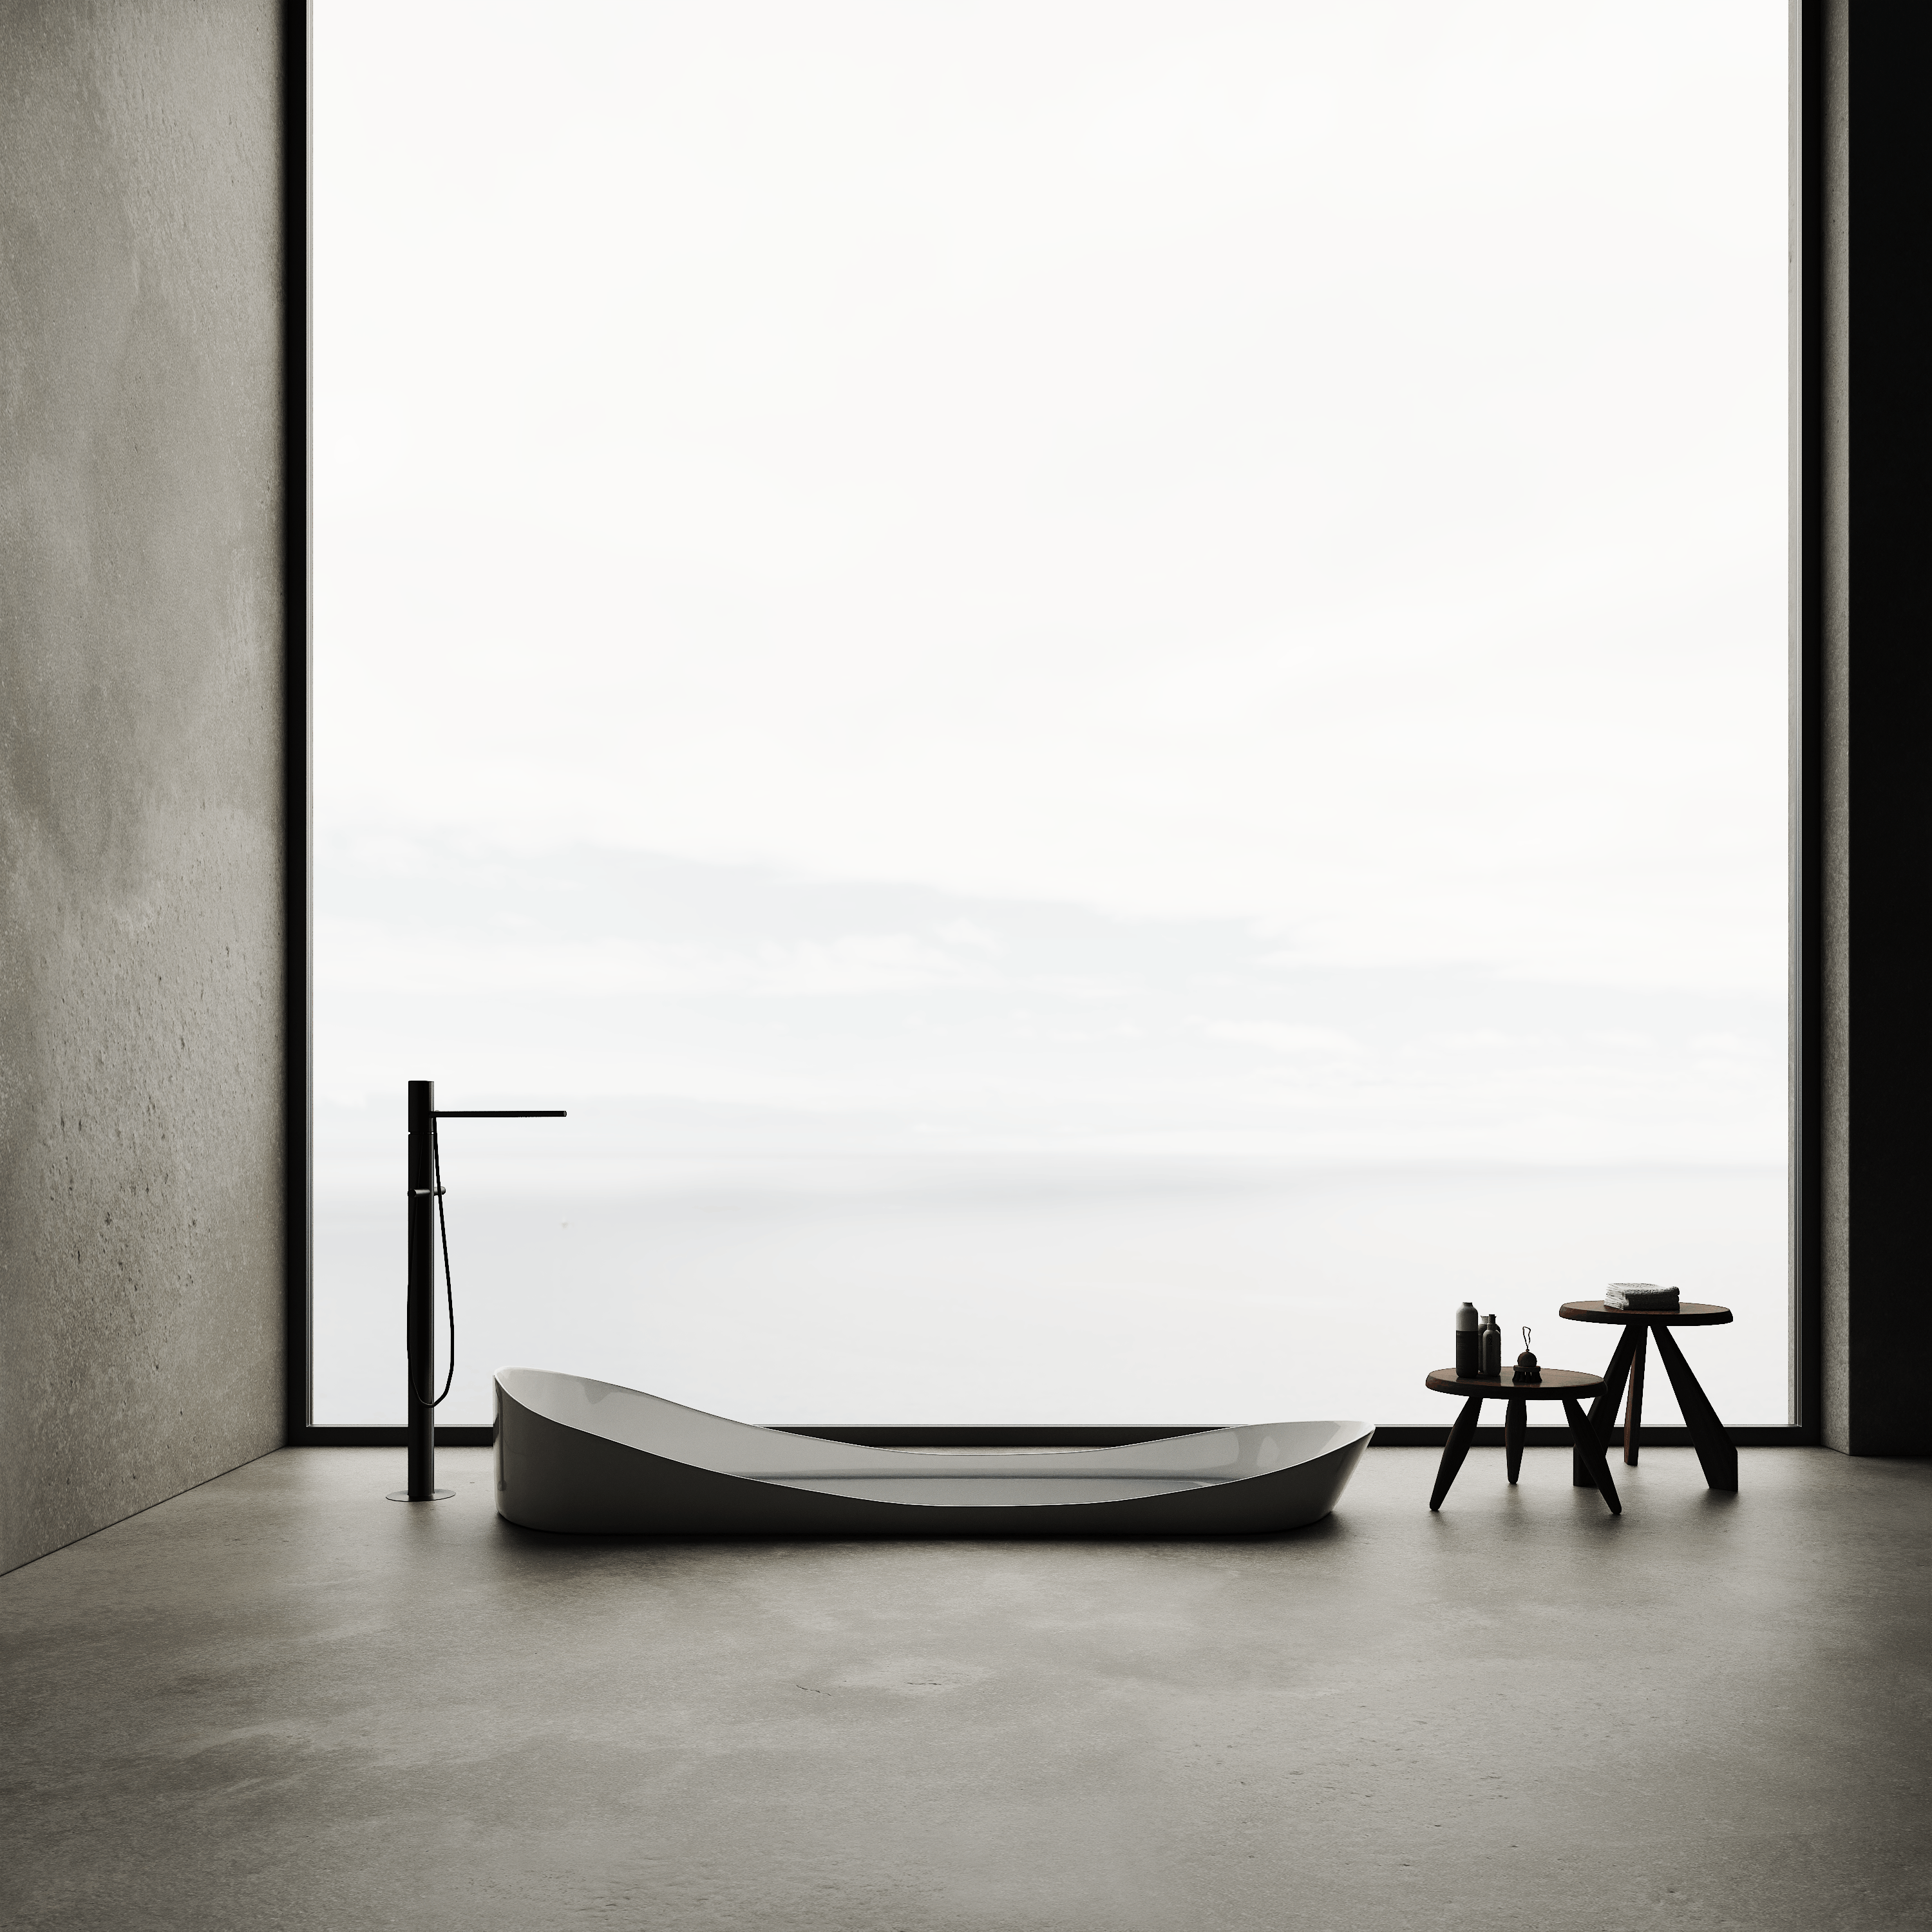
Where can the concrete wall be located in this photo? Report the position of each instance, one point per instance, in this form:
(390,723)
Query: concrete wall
(141,626)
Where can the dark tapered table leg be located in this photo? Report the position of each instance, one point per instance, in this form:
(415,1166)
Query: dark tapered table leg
(1516,1419)
(1603,1410)
(1634,1408)
(1715,1449)
(1461,1435)
(1583,1434)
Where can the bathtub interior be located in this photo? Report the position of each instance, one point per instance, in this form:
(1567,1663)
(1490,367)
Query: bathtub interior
(1164,1466)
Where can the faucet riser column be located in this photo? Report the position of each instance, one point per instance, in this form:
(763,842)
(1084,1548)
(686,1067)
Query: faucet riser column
(422,1292)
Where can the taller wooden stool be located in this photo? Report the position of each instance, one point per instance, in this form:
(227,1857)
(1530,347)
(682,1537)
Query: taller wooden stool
(1715,1449)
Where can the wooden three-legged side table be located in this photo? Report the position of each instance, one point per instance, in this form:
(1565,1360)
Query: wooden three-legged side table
(1567,1386)
(1715,1449)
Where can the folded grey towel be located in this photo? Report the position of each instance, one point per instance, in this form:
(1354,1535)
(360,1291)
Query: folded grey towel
(1639,1295)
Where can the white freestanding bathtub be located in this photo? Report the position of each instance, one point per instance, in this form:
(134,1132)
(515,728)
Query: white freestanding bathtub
(589,1457)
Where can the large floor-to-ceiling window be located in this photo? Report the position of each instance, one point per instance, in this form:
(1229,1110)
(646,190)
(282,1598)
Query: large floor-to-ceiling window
(1103,686)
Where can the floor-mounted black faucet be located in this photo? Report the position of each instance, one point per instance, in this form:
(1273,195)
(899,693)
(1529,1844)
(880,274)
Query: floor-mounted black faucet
(425,1209)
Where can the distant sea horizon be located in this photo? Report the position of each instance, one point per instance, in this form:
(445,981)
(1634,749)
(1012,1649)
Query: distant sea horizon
(1000,1288)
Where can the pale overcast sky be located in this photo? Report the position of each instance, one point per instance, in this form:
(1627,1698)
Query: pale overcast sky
(1317,465)
(1190,579)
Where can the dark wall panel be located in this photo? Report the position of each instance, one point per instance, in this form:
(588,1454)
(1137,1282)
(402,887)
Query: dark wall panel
(1877,882)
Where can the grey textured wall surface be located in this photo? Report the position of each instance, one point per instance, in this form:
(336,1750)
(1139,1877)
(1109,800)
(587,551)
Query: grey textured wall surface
(141,622)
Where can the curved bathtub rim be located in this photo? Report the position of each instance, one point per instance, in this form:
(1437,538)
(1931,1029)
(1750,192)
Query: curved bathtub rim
(658,1426)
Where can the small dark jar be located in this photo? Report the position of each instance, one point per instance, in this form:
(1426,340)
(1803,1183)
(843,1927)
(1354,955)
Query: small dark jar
(1526,1368)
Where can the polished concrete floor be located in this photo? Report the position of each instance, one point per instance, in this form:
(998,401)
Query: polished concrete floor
(280,1702)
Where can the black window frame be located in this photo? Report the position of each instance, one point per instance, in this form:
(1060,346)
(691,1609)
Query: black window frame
(1808,240)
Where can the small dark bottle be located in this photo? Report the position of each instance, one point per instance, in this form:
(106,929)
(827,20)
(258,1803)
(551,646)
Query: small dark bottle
(1468,1349)
(1492,1339)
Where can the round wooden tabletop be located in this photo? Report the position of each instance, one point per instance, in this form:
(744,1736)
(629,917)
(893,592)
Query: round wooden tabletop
(1685,1315)
(1556,1383)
